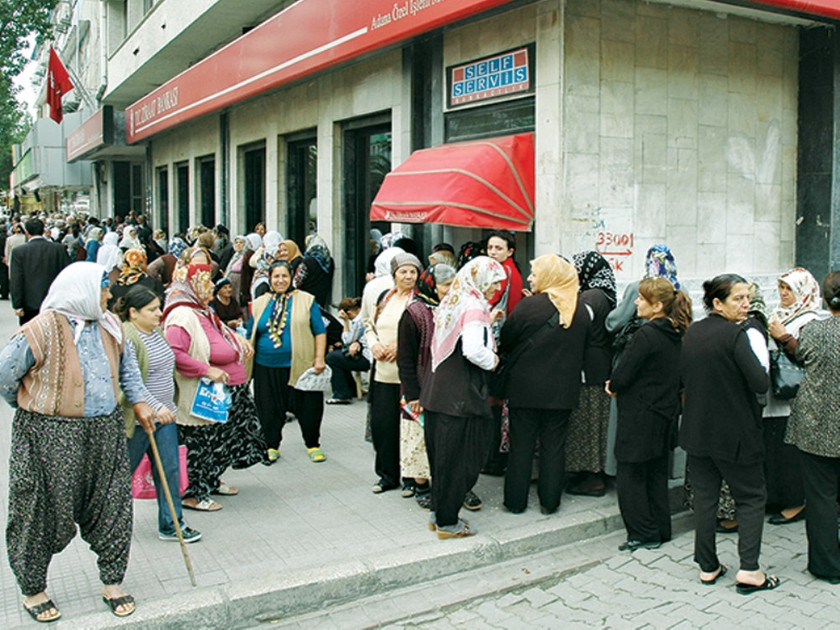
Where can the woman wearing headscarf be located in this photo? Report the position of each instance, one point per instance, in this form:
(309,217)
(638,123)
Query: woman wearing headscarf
(163,267)
(290,252)
(63,372)
(814,429)
(385,383)
(130,239)
(289,337)
(800,301)
(721,429)
(455,395)
(134,274)
(544,381)
(110,256)
(443,254)
(224,304)
(646,385)
(586,447)
(253,241)
(315,272)
(205,347)
(261,261)
(623,321)
(414,343)
(233,270)
(93,242)
(352,356)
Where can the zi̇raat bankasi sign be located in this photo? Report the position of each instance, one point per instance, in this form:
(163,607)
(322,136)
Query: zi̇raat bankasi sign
(510,73)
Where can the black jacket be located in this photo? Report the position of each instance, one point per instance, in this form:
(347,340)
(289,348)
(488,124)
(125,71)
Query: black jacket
(647,381)
(34,266)
(547,375)
(457,388)
(721,376)
(597,358)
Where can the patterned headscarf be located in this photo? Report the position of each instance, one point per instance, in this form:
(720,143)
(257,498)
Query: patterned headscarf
(134,266)
(757,305)
(316,248)
(465,306)
(469,251)
(594,272)
(443,257)
(660,262)
(429,280)
(805,289)
(177,246)
(557,278)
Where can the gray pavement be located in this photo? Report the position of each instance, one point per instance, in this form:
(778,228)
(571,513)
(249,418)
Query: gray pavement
(304,537)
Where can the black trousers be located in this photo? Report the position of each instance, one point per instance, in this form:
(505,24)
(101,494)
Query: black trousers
(746,482)
(821,475)
(273,398)
(643,499)
(496,460)
(526,425)
(343,366)
(385,430)
(456,446)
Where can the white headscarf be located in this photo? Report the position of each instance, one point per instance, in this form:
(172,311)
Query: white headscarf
(129,239)
(109,255)
(271,241)
(254,241)
(382,264)
(76,292)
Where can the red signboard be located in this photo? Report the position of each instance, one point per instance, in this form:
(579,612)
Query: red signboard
(96,131)
(306,37)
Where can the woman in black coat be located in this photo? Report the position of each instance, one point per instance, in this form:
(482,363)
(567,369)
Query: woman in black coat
(646,384)
(544,379)
(721,429)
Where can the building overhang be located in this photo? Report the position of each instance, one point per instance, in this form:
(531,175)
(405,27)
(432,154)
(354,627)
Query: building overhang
(101,137)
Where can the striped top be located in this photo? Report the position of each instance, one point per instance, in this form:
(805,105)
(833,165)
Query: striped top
(160,381)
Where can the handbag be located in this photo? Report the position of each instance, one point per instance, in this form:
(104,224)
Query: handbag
(211,402)
(498,382)
(309,381)
(143,484)
(785,375)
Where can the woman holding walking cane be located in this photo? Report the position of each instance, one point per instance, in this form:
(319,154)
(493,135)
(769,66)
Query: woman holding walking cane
(140,311)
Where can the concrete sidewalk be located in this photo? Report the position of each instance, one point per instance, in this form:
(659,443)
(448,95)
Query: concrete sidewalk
(298,535)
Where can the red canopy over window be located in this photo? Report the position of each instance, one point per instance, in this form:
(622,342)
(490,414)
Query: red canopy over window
(479,184)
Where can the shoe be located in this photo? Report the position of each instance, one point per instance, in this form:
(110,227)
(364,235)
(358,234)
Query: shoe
(720,528)
(424,500)
(273,455)
(781,519)
(588,489)
(632,545)
(383,486)
(226,490)
(472,502)
(548,512)
(316,455)
(116,602)
(205,505)
(39,609)
(408,490)
(770,582)
(189,535)
(459,530)
(722,569)
(338,401)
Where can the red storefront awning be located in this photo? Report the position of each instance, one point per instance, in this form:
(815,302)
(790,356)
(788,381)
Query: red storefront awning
(826,8)
(479,184)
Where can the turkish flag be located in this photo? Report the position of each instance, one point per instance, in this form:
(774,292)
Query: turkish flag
(58,84)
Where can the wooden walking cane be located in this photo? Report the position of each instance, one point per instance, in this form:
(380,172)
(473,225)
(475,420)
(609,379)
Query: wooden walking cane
(168,494)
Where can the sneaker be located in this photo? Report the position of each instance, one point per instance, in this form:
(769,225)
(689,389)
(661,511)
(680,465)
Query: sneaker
(190,535)
(472,502)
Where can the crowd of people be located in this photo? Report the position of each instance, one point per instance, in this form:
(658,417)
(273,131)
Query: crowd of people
(471,370)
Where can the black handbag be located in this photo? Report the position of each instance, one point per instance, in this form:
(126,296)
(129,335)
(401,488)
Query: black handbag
(498,382)
(785,375)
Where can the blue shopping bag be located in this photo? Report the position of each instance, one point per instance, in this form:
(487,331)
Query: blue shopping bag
(212,401)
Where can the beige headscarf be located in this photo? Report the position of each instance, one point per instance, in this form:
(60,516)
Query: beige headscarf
(558,279)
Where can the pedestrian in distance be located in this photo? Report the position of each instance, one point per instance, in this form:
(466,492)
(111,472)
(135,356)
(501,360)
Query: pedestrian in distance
(33,268)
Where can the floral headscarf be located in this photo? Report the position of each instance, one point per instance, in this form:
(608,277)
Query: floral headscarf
(660,263)
(757,306)
(429,280)
(594,272)
(177,246)
(316,248)
(134,266)
(465,306)
(805,289)
(557,278)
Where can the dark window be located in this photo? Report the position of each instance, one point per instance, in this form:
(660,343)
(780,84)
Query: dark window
(182,191)
(367,159)
(163,198)
(254,171)
(122,188)
(207,190)
(302,189)
(138,188)
(487,121)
